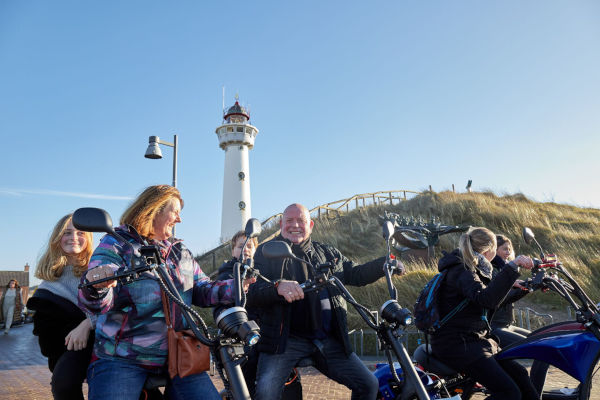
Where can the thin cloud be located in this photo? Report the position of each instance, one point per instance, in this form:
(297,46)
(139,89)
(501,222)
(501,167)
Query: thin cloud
(23,192)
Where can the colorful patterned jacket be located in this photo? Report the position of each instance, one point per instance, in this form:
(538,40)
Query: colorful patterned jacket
(131,324)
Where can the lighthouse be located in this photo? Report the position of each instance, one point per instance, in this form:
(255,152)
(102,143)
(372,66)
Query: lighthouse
(236,138)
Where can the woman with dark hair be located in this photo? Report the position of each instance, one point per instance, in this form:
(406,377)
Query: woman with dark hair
(502,319)
(131,332)
(11,304)
(65,333)
(464,342)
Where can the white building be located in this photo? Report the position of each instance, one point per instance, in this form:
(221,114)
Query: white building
(236,137)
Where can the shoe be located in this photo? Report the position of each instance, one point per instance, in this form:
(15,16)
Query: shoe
(6,332)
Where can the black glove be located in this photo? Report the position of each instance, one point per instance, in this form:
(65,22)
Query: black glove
(397,267)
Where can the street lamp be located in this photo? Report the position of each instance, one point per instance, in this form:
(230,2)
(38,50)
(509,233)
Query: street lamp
(153,151)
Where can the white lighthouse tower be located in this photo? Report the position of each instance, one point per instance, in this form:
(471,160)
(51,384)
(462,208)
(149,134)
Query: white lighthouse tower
(236,137)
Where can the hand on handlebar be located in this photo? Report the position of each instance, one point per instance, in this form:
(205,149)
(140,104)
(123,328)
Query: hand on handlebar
(397,267)
(290,290)
(248,282)
(524,262)
(520,285)
(101,272)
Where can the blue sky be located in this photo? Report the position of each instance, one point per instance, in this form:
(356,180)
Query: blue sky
(349,97)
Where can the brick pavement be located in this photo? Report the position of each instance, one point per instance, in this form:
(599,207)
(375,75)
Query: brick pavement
(24,372)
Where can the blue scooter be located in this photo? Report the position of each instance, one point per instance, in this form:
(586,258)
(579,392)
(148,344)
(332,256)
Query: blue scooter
(571,348)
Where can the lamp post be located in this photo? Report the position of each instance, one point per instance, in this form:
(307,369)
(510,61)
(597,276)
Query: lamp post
(153,151)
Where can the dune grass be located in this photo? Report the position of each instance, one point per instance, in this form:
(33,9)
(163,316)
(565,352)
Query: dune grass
(573,233)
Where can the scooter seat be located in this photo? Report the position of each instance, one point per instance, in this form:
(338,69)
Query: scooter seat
(155,382)
(425,357)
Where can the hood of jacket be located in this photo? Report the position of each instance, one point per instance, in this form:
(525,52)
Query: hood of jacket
(450,260)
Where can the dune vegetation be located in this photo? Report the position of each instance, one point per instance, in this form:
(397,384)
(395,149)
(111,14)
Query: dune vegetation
(572,233)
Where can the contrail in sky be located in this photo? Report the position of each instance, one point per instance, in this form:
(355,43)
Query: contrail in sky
(21,192)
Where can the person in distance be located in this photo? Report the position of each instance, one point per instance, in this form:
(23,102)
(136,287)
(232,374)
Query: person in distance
(11,304)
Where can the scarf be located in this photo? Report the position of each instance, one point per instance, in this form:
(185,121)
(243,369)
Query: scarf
(484,266)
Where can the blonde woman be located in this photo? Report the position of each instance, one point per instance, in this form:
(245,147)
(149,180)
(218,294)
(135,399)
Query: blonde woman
(464,342)
(65,333)
(131,332)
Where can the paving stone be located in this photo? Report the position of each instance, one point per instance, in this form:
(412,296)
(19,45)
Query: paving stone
(24,373)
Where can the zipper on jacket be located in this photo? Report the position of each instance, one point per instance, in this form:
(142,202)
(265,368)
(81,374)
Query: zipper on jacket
(280,330)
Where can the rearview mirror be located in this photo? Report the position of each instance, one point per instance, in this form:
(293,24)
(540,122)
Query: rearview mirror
(388,230)
(90,219)
(277,249)
(253,228)
(528,235)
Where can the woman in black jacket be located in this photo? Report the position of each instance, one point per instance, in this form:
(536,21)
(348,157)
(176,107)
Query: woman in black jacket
(464,342)
(65,333)
(502,319)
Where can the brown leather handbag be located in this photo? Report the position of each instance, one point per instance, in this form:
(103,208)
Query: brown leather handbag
(187,355)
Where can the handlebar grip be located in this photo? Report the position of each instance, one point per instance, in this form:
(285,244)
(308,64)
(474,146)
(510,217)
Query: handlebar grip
(305,285)
(92,283)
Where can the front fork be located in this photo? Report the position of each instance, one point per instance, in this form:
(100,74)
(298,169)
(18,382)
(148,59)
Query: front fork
(412,382)
(230,355)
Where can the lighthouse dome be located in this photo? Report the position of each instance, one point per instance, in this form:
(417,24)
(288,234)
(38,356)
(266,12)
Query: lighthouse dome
(236,113)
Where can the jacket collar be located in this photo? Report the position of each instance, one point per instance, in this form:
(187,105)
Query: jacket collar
(304,247)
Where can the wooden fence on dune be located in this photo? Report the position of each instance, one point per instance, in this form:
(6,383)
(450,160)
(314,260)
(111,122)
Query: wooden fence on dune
(333,208)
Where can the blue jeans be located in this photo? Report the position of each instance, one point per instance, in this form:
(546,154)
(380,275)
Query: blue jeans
(273,369)
(119,380)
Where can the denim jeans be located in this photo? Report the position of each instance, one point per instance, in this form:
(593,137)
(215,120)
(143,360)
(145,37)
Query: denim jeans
(120,380)
(330,359)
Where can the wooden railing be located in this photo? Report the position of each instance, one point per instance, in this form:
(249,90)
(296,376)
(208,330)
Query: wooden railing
(351,203)
(335,208)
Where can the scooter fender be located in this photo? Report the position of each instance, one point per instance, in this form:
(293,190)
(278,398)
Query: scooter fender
(571,351)
(383,373)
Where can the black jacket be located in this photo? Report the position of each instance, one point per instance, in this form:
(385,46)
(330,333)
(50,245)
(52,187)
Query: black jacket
(275,313)
(225,272)
(465,337)
(54,318)
(503,316)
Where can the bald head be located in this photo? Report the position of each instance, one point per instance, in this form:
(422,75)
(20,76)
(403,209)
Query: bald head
(296,225)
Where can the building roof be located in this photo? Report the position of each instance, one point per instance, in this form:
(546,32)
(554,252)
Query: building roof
(21,276)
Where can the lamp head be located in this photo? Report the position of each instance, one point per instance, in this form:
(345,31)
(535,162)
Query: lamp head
(153,150)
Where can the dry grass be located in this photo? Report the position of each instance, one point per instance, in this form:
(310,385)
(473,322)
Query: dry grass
(572,233)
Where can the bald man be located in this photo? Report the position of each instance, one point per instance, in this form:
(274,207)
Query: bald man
(295,325)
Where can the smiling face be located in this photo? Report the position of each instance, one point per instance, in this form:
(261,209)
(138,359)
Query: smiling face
(505,251)
(72,240)
(166,219)
(296,225)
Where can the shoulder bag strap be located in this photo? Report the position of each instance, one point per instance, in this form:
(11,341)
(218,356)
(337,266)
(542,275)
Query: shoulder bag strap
(165,304)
